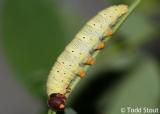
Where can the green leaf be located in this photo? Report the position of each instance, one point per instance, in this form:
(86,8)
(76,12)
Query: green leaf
(139,89)
(149,6)
(137,30)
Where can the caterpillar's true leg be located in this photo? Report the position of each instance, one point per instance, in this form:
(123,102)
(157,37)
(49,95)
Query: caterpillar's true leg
(61,106)
(90,61)
(81,73)
(68,89)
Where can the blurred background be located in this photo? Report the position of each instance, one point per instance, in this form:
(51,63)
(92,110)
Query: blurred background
(34,32)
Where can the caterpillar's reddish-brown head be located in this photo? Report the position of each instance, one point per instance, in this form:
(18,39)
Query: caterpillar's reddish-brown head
(57,101)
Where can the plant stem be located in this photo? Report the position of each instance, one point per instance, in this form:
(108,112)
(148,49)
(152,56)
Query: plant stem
(51,111)
(115,29)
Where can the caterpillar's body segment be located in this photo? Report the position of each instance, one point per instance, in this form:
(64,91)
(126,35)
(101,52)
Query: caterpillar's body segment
(72,60)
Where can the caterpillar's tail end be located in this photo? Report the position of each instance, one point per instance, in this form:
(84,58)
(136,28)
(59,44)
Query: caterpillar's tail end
(57,101)
(123,8)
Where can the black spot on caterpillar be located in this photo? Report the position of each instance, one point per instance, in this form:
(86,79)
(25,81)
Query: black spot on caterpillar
(79,53)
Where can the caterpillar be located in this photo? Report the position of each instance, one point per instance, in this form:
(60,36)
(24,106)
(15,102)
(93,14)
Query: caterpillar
(78,53)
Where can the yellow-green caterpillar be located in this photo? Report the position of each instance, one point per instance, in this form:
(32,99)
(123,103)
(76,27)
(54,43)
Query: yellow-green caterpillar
(79,52)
